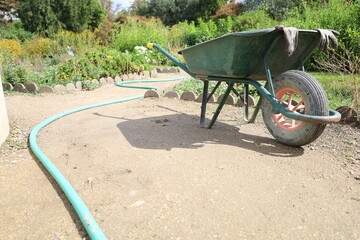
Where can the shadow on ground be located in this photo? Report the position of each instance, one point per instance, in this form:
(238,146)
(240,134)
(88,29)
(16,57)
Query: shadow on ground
(182,131)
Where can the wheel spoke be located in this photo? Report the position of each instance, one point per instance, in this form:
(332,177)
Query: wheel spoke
(290,100)
(299,106)
(278,117)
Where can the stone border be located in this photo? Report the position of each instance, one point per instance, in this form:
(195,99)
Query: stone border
(79,86)
(191,96)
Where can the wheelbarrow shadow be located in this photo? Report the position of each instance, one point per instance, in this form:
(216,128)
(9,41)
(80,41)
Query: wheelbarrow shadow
(181,130)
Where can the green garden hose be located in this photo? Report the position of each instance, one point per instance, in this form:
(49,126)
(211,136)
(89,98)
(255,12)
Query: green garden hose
(81,209)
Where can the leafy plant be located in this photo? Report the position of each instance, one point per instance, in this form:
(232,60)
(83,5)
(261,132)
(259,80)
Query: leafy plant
(14,47)
(15,32)
(40,46)
(15,74)
(136,32)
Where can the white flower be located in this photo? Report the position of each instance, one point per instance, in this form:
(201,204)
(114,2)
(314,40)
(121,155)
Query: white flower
(140,50)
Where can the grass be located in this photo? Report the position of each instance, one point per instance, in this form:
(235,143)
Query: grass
(339,88)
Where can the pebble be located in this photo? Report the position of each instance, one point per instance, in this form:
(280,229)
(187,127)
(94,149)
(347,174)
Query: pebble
(137,203)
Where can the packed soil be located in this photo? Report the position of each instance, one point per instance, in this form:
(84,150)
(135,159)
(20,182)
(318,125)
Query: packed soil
(146,170)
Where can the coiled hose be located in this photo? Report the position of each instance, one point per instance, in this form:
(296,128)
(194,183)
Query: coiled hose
(81,209)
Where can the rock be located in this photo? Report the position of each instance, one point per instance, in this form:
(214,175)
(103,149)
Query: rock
(146,74)
(172,94)
(96,82)
(211,100)
(118,79)
(32,87)
(59,88)
(230,100)
(78,86)
(46,89)
(19,87)
(348,114)
(251,101)
(137,76)
(165,70)
(103,81)
(188,96)
(125,77)
(240,102)
(131,76)
(70,87)
(158,70)
(151,93)
(153,73)
(8,86)
(110,80)
(172,70)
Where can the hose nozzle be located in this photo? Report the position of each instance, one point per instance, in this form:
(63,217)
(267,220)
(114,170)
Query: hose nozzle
(150,45)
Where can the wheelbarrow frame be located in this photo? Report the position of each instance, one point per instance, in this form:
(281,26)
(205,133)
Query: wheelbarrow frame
(277,107)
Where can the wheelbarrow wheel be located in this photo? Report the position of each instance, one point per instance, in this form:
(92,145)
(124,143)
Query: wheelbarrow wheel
(298,92)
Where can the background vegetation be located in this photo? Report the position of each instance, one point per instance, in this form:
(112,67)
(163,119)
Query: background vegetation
(51,42)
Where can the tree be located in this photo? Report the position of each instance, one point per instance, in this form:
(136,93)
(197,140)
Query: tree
(230,9)
(110,9)
(138,7)
(276,9)
(38,16)
(208,8)
(47,16)
(169,11)
(8,9)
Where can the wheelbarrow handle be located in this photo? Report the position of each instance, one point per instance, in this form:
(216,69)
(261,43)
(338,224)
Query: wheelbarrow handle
(172,58)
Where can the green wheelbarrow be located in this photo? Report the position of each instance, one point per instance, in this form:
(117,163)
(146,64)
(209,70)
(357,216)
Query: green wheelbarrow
(294,105)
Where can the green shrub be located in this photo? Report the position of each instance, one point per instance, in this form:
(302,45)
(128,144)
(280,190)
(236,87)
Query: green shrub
(78,42)
(14,74)
(40,46)
(96,64)
(136,32)
(256,19)
(339,15)
(225,26)
(15,32)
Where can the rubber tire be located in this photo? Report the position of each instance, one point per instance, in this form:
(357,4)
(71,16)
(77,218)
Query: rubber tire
(315,101)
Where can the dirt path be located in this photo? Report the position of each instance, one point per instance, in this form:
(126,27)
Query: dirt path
(146,170)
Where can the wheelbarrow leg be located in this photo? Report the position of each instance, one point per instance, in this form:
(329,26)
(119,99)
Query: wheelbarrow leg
(203,104)
(205,100)
(255,113)
(246,102)
(221,104)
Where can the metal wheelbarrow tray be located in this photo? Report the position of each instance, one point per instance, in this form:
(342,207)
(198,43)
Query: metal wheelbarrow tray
(294,104)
